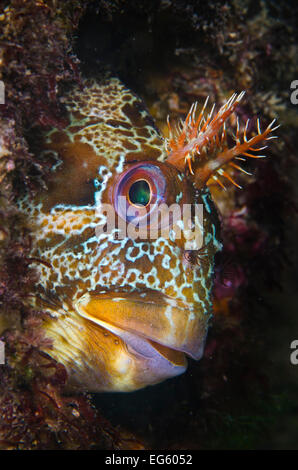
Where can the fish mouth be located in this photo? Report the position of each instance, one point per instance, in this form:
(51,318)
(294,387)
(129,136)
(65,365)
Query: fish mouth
(152,325)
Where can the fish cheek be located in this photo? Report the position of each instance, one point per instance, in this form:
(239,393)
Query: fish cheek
(103,363)
(73,181)
(107,355)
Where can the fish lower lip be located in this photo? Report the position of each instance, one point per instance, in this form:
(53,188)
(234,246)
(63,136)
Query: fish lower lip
(145,347)
(156,361)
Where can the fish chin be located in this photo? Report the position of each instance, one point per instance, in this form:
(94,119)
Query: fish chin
(155,361)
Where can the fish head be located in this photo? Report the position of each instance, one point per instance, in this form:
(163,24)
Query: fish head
(124,243)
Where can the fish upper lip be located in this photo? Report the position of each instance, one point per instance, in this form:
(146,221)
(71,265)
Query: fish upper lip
(141,295)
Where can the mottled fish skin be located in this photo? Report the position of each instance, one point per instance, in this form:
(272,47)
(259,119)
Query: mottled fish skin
(122,312)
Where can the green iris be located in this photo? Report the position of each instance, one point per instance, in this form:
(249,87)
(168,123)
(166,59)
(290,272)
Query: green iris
(140,193)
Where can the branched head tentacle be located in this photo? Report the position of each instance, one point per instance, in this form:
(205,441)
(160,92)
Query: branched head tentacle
(201,144)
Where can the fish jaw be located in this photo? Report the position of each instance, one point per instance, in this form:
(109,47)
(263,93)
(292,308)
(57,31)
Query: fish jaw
(122,354)
(150,315)
(123,341)
(104,358)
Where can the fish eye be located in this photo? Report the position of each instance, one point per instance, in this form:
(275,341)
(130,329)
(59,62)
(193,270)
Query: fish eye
(140,193)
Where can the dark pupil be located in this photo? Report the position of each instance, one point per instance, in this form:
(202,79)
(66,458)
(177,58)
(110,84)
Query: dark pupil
(140,193)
